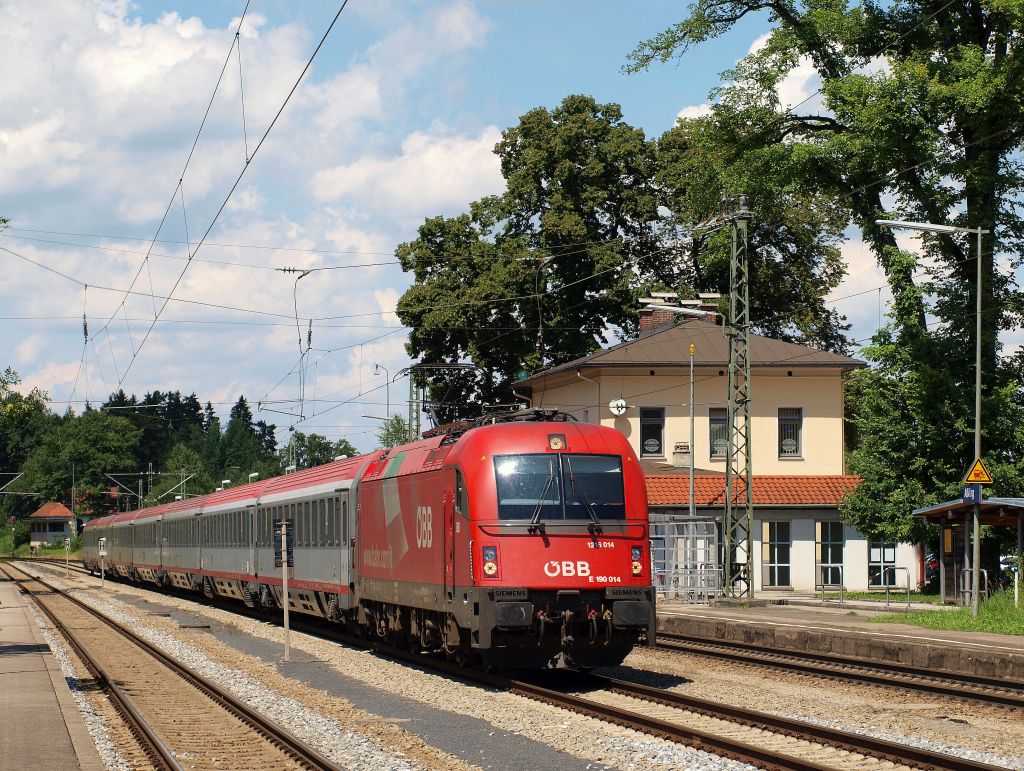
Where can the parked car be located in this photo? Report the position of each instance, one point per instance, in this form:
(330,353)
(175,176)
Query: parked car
(931,573)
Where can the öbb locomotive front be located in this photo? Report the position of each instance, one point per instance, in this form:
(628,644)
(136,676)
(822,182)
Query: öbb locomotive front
(522,540)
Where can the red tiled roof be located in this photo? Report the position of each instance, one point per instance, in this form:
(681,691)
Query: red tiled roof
(709,490)
(51,510)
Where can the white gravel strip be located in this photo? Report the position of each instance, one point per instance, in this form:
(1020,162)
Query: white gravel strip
(660,753)
(96,723)
(980,756)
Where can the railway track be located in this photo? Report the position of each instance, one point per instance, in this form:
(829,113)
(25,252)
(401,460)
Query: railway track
(749,736)
(991,691)
(757,738)
(180,719)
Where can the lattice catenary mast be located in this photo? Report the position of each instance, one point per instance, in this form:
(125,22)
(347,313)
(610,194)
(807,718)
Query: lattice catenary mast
(739,502)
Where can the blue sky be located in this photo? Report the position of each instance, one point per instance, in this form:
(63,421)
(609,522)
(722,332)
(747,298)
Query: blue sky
(395,123)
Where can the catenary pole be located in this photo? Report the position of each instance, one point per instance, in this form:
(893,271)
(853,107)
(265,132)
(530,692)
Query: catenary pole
(976,529)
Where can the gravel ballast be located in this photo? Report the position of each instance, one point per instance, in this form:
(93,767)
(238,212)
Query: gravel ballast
(96,723)
(512,718)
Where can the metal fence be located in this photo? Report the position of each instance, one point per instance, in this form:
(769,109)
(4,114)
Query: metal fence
(685,559)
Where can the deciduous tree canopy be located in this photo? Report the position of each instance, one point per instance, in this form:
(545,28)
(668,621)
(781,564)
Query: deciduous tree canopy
(594,215)
(919,115)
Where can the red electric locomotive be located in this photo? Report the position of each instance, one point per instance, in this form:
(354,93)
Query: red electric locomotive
(524,541)
(521,539)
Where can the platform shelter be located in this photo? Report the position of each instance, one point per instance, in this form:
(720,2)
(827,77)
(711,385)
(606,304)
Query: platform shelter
(954,552)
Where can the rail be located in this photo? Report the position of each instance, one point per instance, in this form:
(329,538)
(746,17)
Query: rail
(722,742)
(263,725)
(978,688)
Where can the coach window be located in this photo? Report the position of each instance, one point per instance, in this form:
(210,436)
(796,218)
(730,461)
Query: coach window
(332,521)
(344,522)
(319,531)
(307,530)
(652,432)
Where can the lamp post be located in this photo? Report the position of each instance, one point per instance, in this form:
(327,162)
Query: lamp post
(929,227)
(387,384)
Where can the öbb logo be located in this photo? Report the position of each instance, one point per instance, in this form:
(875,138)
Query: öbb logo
(566,568)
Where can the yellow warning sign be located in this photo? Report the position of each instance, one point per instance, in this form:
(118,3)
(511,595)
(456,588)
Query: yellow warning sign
(978,475)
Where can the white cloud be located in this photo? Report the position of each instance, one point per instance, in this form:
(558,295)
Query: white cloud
(431,174)
(93,136)
(694,111)
(387,301)
(863,296)
(28,349)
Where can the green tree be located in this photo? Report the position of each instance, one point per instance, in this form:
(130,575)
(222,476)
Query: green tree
(308,450)
(539,274)
(594,215)
(24,419)
(240,447)
(920,112)
(394,432)
(794,234)
(81,450)
(183,463)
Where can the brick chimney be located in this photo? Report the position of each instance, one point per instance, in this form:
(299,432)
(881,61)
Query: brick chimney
(651,318)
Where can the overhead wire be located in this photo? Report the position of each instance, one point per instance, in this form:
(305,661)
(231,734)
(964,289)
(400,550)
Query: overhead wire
(177,188)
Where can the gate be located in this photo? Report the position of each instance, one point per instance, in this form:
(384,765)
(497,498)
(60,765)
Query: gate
(685,559)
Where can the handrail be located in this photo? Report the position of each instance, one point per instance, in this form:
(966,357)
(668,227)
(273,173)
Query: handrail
(964,582)
(842,582)
(894,568)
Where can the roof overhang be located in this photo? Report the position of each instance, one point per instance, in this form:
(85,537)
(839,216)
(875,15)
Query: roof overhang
(994,511)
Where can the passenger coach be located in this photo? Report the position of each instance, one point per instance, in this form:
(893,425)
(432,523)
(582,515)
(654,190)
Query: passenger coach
(522,539)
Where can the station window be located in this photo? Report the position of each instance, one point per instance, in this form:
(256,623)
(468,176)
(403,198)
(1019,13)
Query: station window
(775,553)
(652,432)
(881,558)
(791,421)
(718,431)
(829,553)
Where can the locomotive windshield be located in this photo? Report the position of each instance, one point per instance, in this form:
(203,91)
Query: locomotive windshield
(549,486)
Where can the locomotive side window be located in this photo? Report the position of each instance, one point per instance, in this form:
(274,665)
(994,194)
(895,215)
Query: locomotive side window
(461,495)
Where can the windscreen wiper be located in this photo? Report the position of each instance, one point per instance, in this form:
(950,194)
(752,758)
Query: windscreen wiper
(535,524)
(595,521)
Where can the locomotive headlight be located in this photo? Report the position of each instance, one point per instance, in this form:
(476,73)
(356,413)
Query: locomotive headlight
(490,566)
(637,553)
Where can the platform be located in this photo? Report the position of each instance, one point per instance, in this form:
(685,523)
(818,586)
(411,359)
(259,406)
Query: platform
(42,727)
(846,630)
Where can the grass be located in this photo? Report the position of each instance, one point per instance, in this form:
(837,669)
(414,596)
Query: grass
(895,596)
(996,614)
